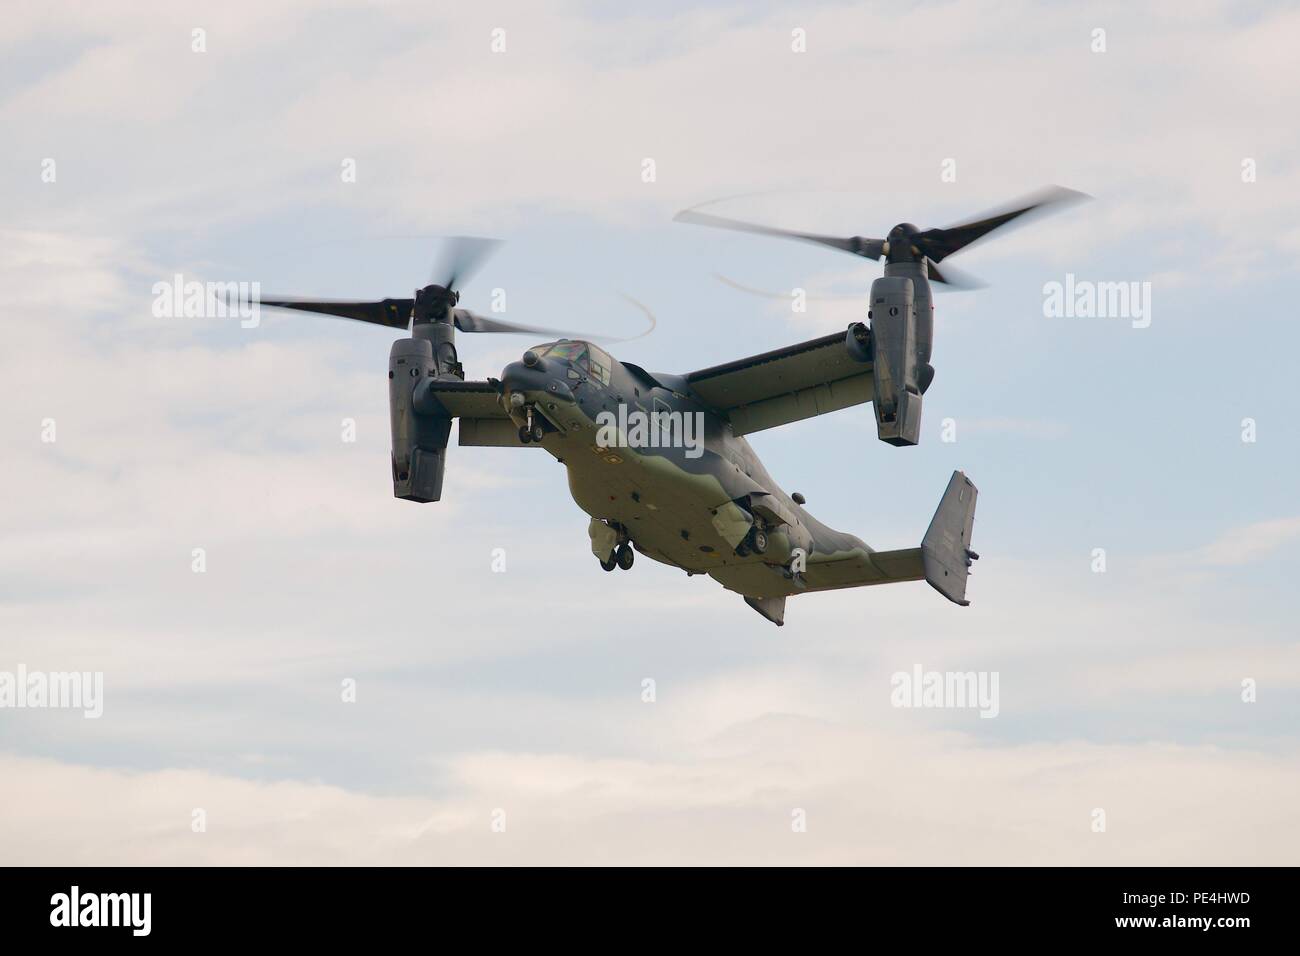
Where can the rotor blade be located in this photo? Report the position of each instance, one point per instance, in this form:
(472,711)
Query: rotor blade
(784,296)
(459,257)
(394,313)
(468,321)
(935,244)
(645,310)
(952,277)
(867,248)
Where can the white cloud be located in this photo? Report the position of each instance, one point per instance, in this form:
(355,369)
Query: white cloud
(870,797)
(518,690)
(1250,543)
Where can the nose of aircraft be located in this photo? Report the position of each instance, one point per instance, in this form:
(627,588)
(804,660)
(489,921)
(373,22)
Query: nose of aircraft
(534,382)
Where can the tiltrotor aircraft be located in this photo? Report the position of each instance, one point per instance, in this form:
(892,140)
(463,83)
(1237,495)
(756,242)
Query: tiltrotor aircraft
(700,501)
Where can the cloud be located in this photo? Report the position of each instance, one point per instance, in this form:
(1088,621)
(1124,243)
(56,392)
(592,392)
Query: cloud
(1248,544)
(565,116)
(519,690)
(1235,547)
(868,797)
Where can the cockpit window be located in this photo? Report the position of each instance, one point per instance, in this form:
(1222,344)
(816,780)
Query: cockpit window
(581,355)
(575,352)
(600,363)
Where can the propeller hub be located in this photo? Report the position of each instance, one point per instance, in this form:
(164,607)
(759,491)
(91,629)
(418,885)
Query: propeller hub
(434,303)
(437,293)
(899,247)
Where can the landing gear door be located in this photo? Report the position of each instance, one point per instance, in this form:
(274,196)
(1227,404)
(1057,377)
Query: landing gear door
(732,523)
(603,539)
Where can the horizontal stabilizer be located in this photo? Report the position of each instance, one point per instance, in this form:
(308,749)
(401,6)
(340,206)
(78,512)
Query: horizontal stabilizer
(906,564)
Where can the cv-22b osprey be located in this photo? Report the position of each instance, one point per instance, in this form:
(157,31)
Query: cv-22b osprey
(701,500)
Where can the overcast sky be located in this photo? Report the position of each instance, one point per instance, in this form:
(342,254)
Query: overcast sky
(517,696)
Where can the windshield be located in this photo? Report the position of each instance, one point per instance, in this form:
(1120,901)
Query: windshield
(575,352)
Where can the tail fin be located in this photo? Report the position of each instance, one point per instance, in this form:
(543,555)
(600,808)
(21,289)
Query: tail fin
(946,554)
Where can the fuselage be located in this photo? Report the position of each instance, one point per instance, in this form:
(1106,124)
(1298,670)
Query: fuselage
(690,506)
(689,501)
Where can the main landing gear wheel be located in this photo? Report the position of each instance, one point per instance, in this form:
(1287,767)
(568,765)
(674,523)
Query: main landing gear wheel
(624,556)
(609,564)
(758,541)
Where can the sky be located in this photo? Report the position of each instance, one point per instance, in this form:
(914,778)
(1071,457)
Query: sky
(349,680)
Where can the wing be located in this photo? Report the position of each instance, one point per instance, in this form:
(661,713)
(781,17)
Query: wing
(483,422)
(785,385)
(468,399)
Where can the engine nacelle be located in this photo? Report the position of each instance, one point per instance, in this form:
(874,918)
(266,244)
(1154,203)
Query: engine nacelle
(895,368)
(419,440)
